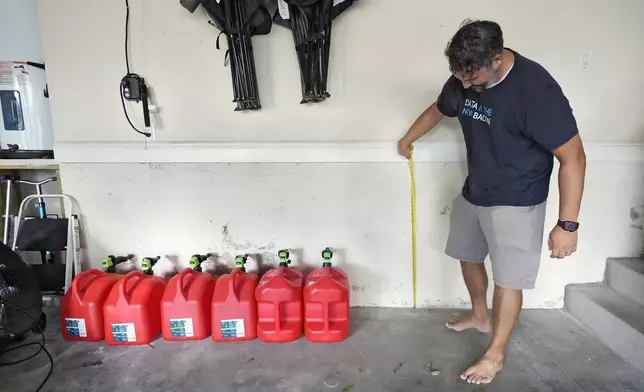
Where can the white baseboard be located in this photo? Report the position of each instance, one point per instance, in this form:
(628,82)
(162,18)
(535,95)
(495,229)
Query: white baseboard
(291,152)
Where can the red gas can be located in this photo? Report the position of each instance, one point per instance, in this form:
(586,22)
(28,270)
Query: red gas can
(234,308)
(81,309)
(279,303)
(185,307)
(326,303)
(133,310)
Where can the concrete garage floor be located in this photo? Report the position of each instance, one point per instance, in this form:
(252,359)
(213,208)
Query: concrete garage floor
(388,351)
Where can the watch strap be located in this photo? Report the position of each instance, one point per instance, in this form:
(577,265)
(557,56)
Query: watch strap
(568,226)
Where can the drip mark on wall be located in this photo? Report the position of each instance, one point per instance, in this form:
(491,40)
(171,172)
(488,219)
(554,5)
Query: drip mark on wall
(262,257)
(635,215)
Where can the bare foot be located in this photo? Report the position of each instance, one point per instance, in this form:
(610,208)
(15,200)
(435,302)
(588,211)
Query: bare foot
(483,371)
(461,324)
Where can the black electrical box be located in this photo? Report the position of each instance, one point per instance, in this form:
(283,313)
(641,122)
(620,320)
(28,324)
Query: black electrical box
(131,87)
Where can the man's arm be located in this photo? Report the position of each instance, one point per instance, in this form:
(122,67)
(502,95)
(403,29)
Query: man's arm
(426,122)
(572,173)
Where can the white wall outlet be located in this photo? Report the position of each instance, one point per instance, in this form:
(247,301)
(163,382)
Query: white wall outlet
(586,59)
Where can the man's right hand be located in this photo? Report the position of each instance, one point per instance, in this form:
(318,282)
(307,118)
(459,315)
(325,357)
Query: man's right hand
(421,126)
(403,147)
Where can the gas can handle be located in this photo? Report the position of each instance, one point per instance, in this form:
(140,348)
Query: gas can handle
(93,273)
(231,282)
(127,278)
(182,275)
(278,323)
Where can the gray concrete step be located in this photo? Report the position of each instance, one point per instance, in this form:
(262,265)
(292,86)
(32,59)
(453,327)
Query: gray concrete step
(626,276)
(616,320)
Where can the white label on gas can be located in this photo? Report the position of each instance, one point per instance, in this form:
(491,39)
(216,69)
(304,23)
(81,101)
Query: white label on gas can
(76,327)
(231,329)
(124,332)
(182,328)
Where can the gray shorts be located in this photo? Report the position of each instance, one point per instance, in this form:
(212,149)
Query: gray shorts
(513,237)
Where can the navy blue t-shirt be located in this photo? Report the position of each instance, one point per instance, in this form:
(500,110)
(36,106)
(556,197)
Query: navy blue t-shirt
(510,130)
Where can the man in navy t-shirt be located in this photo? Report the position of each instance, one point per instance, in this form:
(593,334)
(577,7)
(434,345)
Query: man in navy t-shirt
(515,119)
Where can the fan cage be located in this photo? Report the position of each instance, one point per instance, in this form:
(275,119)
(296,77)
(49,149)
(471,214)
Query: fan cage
(20,299)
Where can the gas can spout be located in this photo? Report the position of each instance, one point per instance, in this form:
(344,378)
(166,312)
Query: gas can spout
(147,263)
(327,255)
(240,262)
(196,260)
(109,264)
(284,257)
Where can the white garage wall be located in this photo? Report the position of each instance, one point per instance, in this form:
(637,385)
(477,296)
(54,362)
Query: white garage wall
(362,210)
(387,66)
(19,31)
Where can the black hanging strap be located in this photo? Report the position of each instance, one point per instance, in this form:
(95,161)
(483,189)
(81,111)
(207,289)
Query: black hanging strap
(219,35)
(226,57)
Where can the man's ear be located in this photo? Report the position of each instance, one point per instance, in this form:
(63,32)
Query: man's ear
(496,62)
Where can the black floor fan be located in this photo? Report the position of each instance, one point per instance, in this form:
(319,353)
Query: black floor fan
(20,299)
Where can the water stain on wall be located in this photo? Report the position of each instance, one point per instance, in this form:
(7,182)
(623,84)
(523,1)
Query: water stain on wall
(634,214)
(228,242)
(262,257)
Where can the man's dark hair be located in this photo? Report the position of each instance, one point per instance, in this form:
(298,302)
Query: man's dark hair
(474,46)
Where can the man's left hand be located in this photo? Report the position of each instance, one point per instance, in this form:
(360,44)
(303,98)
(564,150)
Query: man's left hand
(562,243)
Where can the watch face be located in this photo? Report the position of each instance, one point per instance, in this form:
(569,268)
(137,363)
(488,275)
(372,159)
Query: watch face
(570,226)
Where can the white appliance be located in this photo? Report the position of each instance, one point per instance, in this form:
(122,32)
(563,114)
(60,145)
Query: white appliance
(25,118)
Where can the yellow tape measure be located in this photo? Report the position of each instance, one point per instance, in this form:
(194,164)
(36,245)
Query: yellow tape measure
(413,219)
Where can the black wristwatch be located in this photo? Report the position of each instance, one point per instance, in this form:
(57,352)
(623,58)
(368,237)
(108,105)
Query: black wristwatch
(568,226)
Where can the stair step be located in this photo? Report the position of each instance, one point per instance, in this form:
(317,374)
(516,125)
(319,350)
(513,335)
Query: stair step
(626,276)
(616,320)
